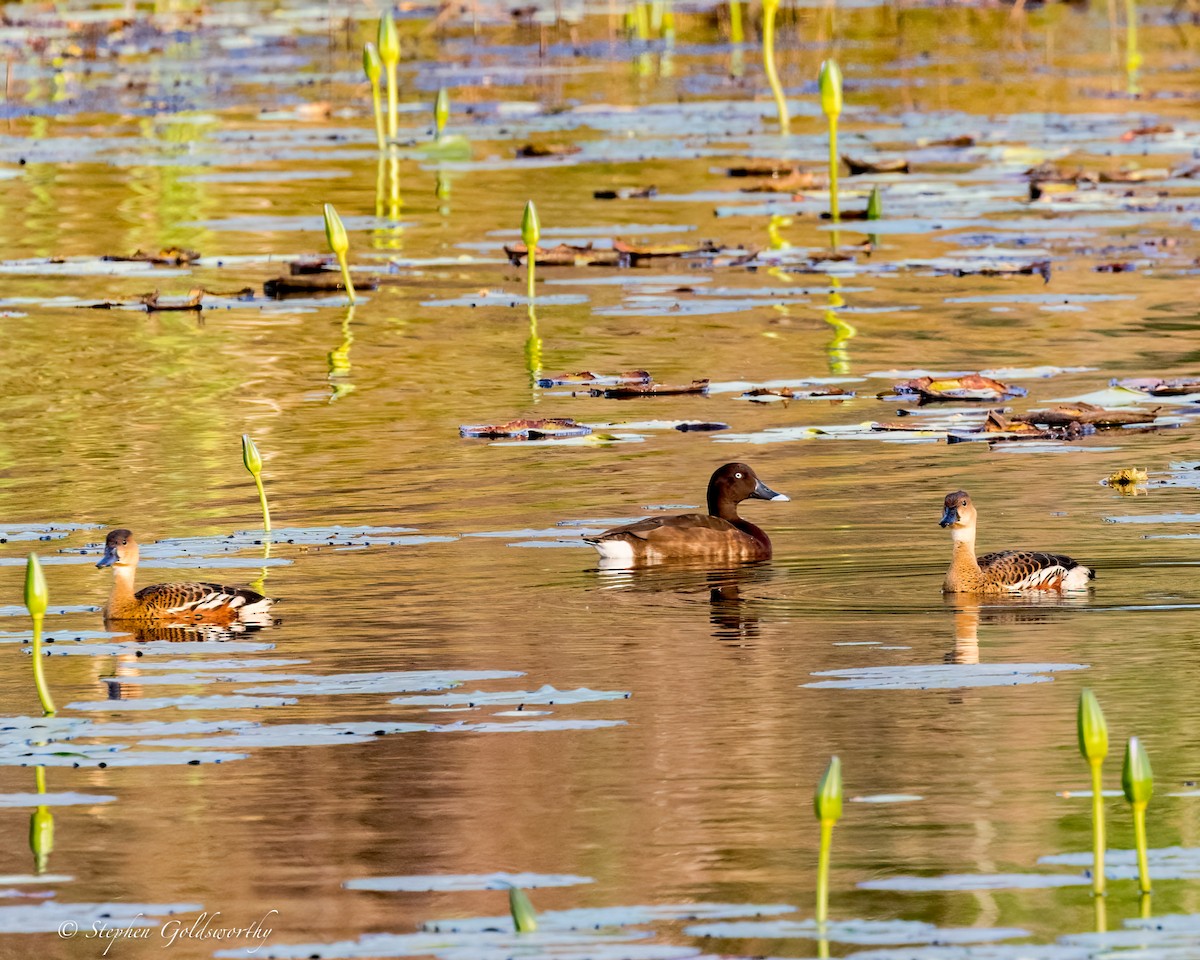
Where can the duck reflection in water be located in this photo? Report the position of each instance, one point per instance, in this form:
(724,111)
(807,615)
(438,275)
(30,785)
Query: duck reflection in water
(969,612)
(120,687)
(733,606)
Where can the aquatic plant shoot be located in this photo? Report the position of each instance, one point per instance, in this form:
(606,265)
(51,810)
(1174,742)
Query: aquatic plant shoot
(389,53)
(531,233)
(1093,745)
(373,68)
(253,462)
(1137,780)
(770,9)
(830,83)
(339,243)
(827,803)
(523,917)
(441,112)
(41,827)
(37,599)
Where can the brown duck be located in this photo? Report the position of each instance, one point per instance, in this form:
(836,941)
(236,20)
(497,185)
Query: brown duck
(718,535)
(173,602)
(1008,571)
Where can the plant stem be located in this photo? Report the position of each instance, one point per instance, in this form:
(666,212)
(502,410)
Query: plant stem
(533,347)
(377,104)
(1139,836)
(349,285)
(530,257)
(1098,841)
(833,171)
(770,8)
(39,673)
(262,494)
(393,97)
(737,33)
(823,872)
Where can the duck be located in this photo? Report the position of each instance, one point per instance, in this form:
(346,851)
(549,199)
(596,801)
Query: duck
(719,534)
(173,602)
(1009,571)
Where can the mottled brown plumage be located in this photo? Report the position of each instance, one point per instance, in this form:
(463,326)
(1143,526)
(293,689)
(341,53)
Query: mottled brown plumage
(173,602)
(718,535)
(1005,571)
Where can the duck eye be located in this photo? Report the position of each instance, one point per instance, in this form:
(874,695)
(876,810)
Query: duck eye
(737,476)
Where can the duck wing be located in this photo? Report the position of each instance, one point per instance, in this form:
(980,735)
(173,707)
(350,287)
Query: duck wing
(198,597)
(1031,570)
(698,528)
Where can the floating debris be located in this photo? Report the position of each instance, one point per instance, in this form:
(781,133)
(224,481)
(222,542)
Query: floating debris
(626,193)
(547,150)
(587,377)
(168,257)
(771,394)
(1156,387)
(858,166)
(1086,413)
(972,386)
(1129,481)
(629,391)
(527,429)
(193,301)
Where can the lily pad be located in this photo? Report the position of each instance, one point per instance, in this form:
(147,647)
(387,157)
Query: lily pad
(949,676)
(466,881)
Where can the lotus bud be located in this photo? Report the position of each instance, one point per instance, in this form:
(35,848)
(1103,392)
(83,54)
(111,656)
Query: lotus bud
(37,597)
(1137,779)
(828,799)
(524,919)
(830,82)
(531,229)
(1093,730)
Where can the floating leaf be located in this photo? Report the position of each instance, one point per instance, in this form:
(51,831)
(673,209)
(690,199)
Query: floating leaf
(528,429)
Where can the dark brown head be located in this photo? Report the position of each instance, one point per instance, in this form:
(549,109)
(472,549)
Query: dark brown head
(120,550)
(958,512)
(733,483)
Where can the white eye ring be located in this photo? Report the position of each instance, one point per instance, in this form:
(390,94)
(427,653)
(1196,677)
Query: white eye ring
(737,476)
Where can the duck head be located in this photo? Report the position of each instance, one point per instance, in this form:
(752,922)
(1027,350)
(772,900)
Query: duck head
(120,550)
(958,512)
(735,482)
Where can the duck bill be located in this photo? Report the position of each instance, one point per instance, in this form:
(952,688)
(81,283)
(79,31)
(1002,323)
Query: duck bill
(949,517)
(109,558)
(763,492)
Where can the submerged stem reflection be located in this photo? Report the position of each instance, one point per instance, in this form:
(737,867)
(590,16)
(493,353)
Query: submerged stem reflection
(843,332)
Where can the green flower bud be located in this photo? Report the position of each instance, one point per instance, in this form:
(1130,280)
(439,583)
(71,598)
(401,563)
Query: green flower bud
(372,65)
(250,455)
(1093,730)
(335,231)
(531,229)
(828,799)
(830,82)
(524,919)
(389,39)
(37,597)
(874,204)
(1137,779)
